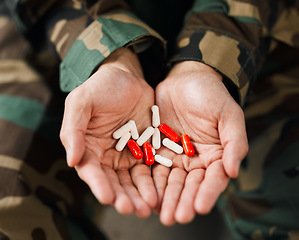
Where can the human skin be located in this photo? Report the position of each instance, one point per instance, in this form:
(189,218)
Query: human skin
(113,95)
(194,101)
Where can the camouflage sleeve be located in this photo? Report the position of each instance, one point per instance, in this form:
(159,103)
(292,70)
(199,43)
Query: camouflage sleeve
(234,36)
(84,33)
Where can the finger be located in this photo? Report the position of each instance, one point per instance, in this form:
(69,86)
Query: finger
(92,173)
(122,203)
(160,177)
(142,179)
(172,195)
(141,208)
(185,211)
(214,183)
(233,154)
(234,141)
(75,120)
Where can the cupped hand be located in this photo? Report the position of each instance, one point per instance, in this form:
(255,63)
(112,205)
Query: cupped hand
(113,95)
(194,101)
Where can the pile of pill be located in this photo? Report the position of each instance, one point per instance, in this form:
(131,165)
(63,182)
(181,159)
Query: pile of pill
(129,130)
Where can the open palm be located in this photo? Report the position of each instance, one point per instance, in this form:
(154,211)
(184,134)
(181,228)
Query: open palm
(197,103)
(94,110)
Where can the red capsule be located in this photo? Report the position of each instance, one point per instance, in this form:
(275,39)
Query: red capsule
(187,145)
(135,149)
(148,154)
(168,132)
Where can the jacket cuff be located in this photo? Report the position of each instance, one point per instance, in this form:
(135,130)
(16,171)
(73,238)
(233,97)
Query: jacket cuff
(225,54)
(102,37)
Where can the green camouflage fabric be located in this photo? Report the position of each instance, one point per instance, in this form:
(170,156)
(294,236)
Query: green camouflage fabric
(58,44)
(255,45)
(235,36)
(84,33)
(40,197)
(263,202)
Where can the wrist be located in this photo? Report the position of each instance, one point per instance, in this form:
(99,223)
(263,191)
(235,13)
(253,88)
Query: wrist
(193,66)
(125,59)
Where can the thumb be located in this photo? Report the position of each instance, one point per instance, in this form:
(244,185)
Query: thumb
(74,125)
(233,138)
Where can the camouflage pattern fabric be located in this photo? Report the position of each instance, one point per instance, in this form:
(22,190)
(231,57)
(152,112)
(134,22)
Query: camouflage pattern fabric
(84,33)
(235,36)
(255,45)
(59,44)
(40,197)
(263,202)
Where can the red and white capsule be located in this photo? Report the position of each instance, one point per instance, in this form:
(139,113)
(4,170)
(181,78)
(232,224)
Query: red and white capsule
(187,145)
(135,149)
(148,154)
(168,132)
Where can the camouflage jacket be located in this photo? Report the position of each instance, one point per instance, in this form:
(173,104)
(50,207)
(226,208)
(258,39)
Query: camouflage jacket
(232,36)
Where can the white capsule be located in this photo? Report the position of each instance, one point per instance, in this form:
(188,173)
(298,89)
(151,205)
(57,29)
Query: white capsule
(133,130)
(155,116)
(123,141)
(122,130)
(145,136)
(163,160)
(154,151)
(172,146)
(156,140)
